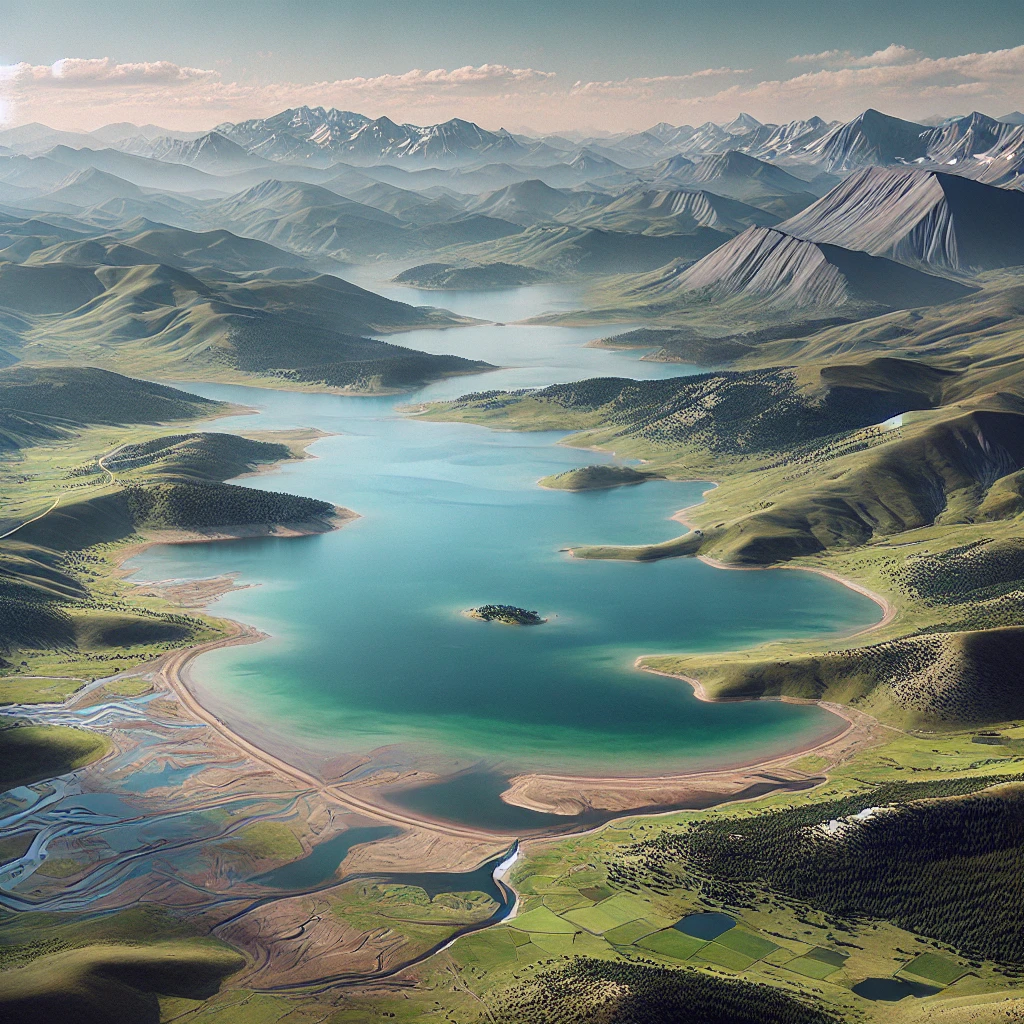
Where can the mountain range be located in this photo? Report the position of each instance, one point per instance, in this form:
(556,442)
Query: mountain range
(317,138)
(795,215)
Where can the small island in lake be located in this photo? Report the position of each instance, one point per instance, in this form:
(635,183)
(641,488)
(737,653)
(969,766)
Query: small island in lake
(508,614)
(595,478)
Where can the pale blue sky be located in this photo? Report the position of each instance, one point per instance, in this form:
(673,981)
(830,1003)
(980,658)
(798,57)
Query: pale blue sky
(314,40)
(273,43)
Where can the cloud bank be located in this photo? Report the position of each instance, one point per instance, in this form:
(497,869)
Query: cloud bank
(84,93)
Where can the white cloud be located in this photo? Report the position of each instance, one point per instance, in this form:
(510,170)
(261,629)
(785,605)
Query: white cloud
(80,93)
(85,93)
(894,53)
(659,85)
(75,72)
(825,57)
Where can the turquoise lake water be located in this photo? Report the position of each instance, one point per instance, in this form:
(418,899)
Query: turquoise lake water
(368,650)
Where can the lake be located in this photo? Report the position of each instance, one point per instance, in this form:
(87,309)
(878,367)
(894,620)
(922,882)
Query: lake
(369,653)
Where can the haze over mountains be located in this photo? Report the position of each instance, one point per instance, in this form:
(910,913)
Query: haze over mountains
(800,216)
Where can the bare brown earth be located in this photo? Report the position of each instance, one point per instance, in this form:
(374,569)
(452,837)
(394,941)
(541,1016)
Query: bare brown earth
(571,795)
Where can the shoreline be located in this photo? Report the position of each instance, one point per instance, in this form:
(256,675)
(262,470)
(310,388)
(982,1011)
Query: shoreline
(546,792)
(889,610)
(854,728)
(537,791)
(857,732)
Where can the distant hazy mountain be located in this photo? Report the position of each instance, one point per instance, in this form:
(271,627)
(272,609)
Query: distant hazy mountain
(218,249)
(590,165)
(771,266)
(793,138)
(870,138)
(406,204)
(674,211)
(34,139)
(310,220)
(964,138)
(211,152)
(744,124)
(124,132)
(319,139)
(641,144)
(306,133)
(89,187)
(737,176)
(316,222)
(530,202)
(289,135)
(707,138)
(667,133)
(144,171)
(919,216)
(671,167)
(590,251)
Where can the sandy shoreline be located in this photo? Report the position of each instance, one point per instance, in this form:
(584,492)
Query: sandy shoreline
(575,794)
(545,792)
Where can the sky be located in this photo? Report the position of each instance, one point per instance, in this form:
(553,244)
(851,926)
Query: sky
(544,65)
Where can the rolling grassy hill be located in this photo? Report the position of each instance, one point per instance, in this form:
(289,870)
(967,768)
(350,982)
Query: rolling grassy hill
(572,250)
(157,319)
(141,479)
(31,753)
(596,478)
(90,395)
(115,983)
(490,275)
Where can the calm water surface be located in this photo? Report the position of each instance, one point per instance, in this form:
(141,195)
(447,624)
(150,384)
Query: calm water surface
(368,649)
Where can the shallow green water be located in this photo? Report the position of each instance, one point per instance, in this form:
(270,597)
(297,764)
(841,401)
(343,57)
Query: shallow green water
(369,651)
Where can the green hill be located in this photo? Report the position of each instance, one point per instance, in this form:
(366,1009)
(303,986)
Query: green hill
(85,394)
(175,247)
(726,413)
(596,478)
(167,481)
(955,679)
(31,753)
(160,320)
(572,250)
(108,983)
(40,404)
(881,854)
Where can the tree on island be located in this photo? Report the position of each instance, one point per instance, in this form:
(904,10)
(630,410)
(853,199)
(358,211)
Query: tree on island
(508,614)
